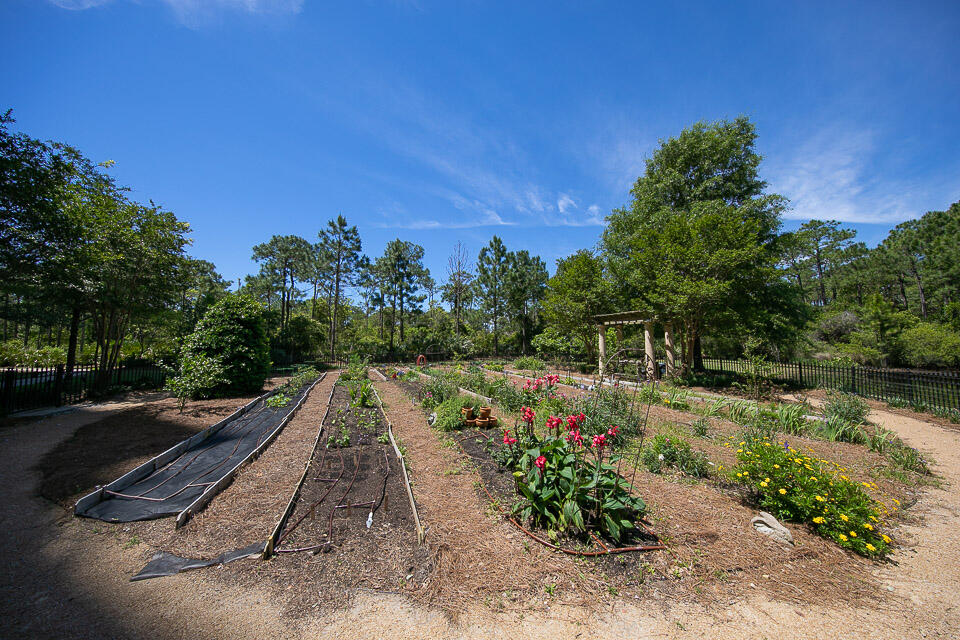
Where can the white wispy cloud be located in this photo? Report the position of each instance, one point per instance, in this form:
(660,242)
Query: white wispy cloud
(565,203)
(190,11)
(833,175)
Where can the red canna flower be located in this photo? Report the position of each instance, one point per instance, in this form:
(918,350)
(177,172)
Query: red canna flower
(599,441)
(527,414)
(540,462)
(554,422)
(507,439)
(575,437)
(613,431)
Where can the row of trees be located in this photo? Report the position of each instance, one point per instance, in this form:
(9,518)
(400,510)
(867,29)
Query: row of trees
(83,268)
(88,274)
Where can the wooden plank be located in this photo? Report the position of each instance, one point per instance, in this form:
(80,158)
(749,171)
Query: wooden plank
(291,504)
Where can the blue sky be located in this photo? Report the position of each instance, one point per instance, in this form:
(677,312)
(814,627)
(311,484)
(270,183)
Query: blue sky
(444,121)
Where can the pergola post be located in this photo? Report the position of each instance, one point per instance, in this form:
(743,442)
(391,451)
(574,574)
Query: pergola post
(602,342)
(671,353)
(650,356)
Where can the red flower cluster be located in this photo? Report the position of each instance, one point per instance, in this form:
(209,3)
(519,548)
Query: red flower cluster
(599,441)
(507,439)
(527,414)
(554,422)
(613,431)
(540,462)
(575,421)
(575,437)
(552,378)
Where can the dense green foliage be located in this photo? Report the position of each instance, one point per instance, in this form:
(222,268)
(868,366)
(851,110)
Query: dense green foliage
(232,339)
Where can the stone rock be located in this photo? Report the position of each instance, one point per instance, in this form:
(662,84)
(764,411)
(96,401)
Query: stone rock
(770,526)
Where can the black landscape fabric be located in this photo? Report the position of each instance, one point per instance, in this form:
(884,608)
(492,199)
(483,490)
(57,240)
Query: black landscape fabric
(172,488)
(167,564)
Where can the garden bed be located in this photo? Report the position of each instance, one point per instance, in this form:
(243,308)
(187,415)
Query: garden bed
(326,551)
(706,521)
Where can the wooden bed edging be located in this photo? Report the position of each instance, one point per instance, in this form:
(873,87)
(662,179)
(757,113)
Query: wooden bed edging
(204,498)
(291,504)
(403,466)
(148,467)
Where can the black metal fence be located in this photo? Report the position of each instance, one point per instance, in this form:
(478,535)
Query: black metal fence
(25,388)
(931,388)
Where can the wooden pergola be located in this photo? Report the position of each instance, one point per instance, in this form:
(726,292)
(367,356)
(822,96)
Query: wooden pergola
(619,320)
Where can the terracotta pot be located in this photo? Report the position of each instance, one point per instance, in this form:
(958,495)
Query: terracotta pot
(492,421)
(482,423)
(471,422)
(467,412)
(485,412)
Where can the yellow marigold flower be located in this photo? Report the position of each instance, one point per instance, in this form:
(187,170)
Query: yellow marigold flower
(897,501)
(743,442)
(874,518)
(866,484)
(746,473)
(819,520)
(842,537)
(819,498)
(886,538)
(844,477)
(844,517)
(739,450)
(813,477)
(763,484)
(783,491)
(868,526)
(776,466)
(766,444)
(870,547)
(797,460)
(739,475)
(766,479)
(853,534)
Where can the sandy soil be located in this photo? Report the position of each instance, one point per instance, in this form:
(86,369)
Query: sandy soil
(62,580)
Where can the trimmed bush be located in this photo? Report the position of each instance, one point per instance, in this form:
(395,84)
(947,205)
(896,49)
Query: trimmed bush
(231,338)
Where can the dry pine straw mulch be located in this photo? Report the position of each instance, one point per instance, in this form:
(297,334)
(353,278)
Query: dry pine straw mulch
(717,554)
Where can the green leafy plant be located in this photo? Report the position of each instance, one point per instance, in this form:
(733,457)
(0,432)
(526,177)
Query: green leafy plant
(700,427)
(361,394)
(666,452)
(566,485)
(449,416)
(199,377)
(277,401)
(800,488)
(846,407)
(529,363)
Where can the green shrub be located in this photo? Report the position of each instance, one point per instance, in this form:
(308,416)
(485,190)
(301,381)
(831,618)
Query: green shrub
(666,452)
(356,369)
(436,389)
(198,377)
(929,344)
(700,428)
(529,363)
(233,335)
(791,418)
(845,406)
(495,367)
(798,488)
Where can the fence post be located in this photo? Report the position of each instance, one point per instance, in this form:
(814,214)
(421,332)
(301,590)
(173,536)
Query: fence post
(800,374)
(58,385)
(9,383)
